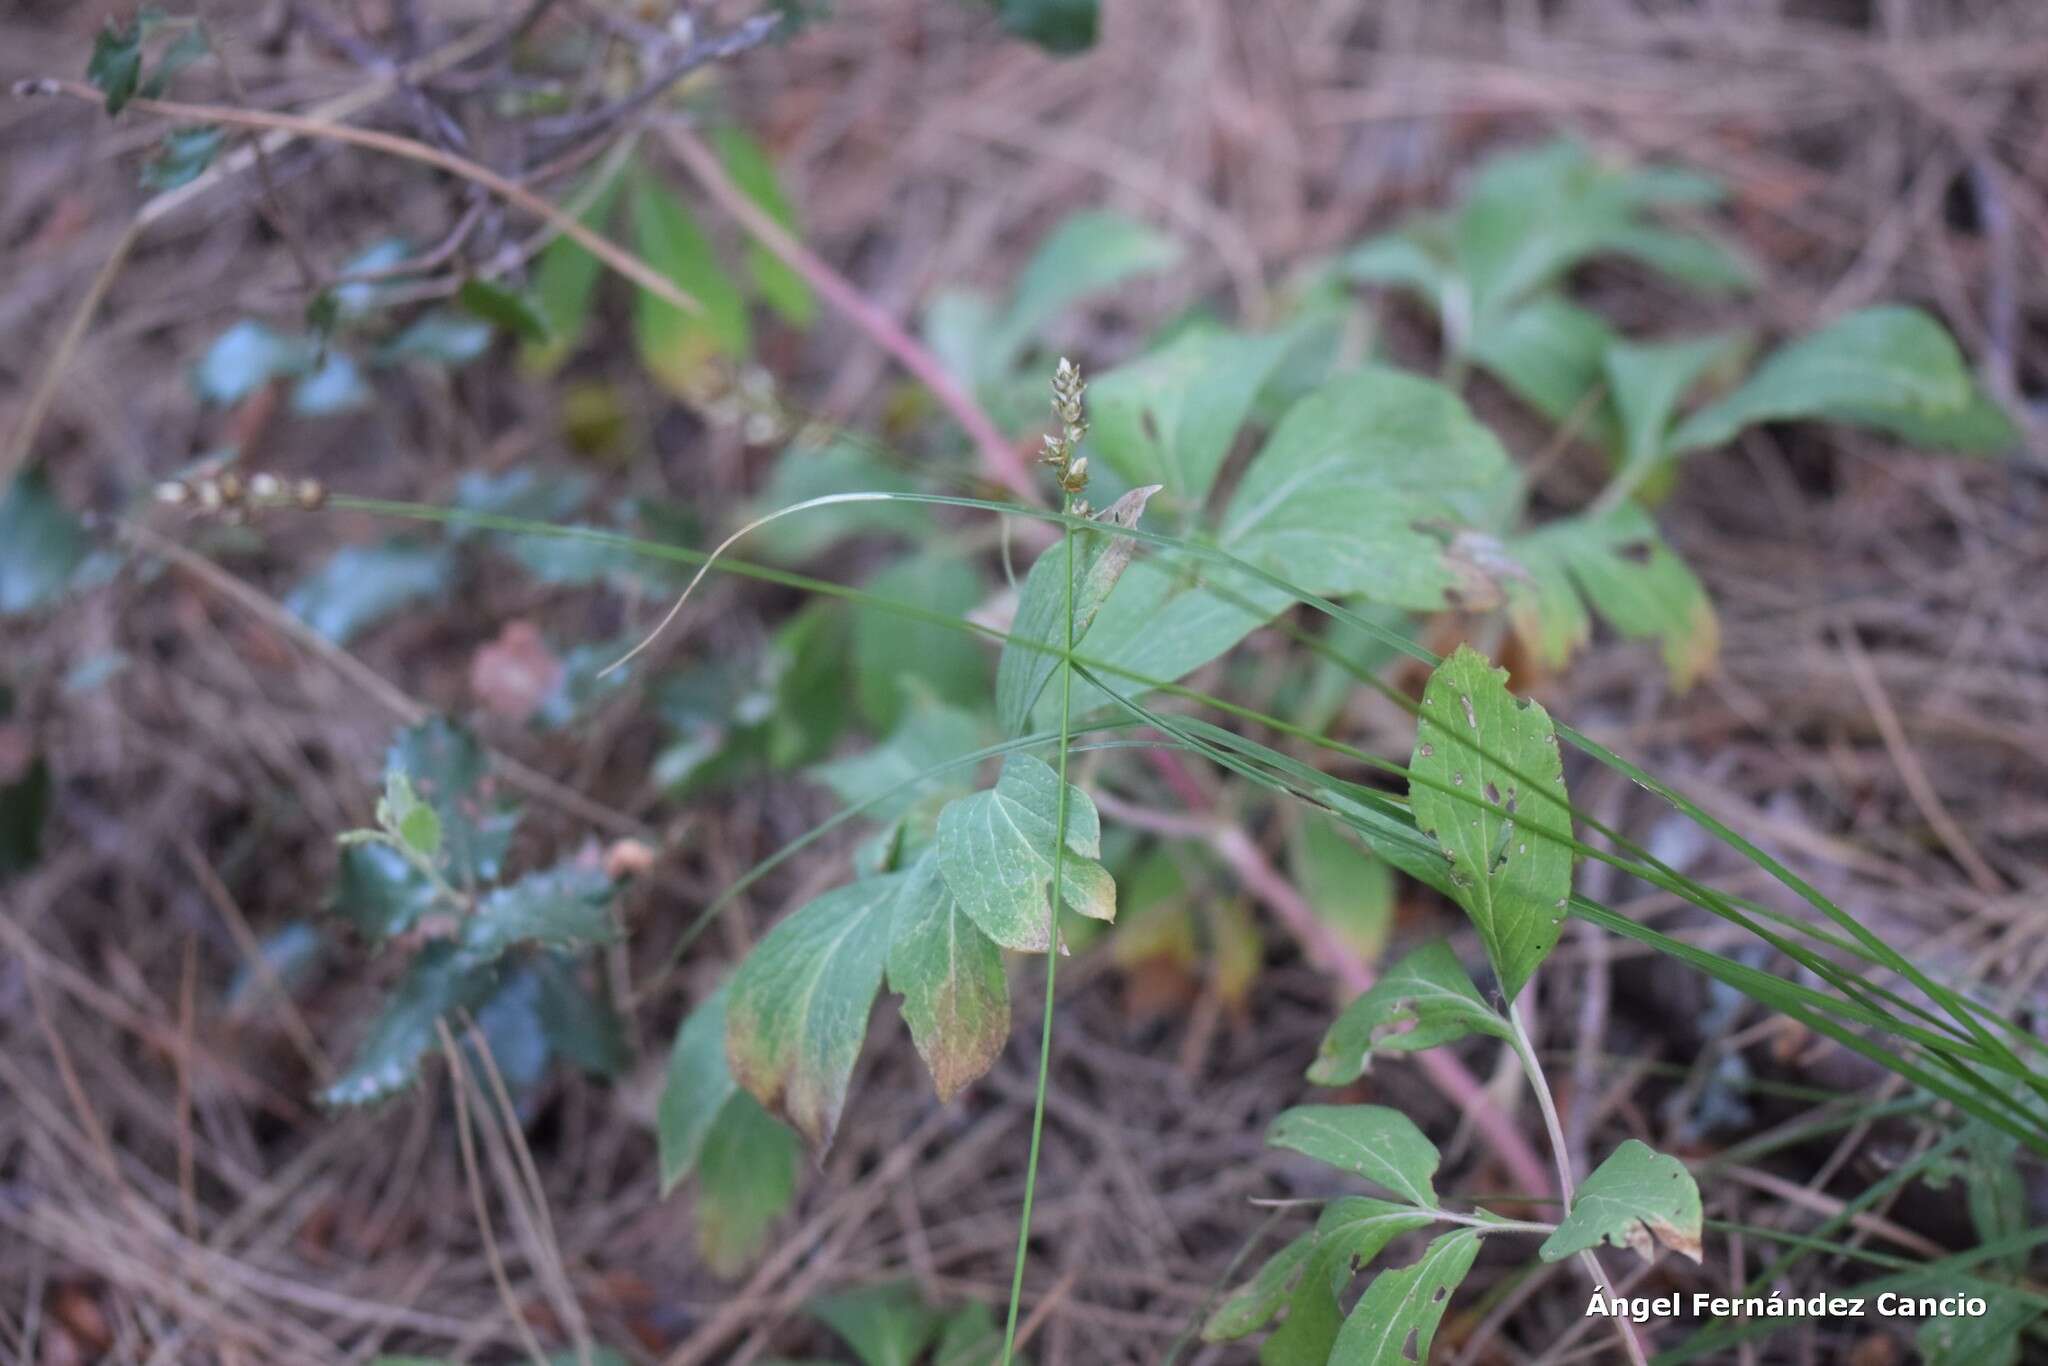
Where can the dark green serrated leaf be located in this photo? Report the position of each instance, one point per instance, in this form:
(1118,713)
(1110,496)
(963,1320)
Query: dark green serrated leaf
(115,66)
(388,1058)
(565,907)
(996,850)
(361,585)
(581,1024)
(41,545)
(748,1178)
(514,310)
(1397,1317)
(1511,872)
(380,893)
(956,995)
(798,1008)
(698,1086)
(446,767)
(1638,1198)
(186,153)
(886,1325)
(1062,27)
(1371,1141)
(1423,1001)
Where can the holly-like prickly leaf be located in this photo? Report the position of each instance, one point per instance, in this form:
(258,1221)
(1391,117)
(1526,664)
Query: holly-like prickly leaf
(565,907)
(445,766)
(115,67)
(956,997)
(996,850)
(1424,1000)
(1372,1141)
(1637,1198)
(1488,786)
(437,982)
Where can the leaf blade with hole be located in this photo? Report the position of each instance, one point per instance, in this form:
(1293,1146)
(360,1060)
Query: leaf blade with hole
(1637,1198)
(1407,1305)
(1421,1002)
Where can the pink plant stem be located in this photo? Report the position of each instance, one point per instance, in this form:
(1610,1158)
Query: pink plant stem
(1000,458)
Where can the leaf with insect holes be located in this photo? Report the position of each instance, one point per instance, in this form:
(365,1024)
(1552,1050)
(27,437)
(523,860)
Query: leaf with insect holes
(514,310)
(1251,1306)
(1394,1321)
(798,1007)
(1637,1198)
(565,907)
(1647,381)
(565,281)
(1891,367)
(886,1325)
(778,283)
(41,545)
(699,1084)
(1422,1001)
(1488,786)
(1371,1141)
(361,585)
(1169,418)
(1361,487)
(996,849)
(956,995)
(747,1172)
(1099,559)
(438,981)
(675,346)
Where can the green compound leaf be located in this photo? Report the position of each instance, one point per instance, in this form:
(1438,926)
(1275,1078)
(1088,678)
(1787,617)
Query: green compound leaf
(1637,1198)
(1423,1001)
(956,997)
(1361,487)
(1099,560)
(996,850)
(699,1084)
(748,1170)
(566,907)
(779,286)
(388,1059)
(1512,874)
(41,545)
(1892,367)
(798,1007)
(1371,1141)
(1170,418)
(886,1325)
(1395,1320)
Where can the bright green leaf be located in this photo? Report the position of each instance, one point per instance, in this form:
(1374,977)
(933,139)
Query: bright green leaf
(1171,417)
(414,822)
(798,1007)
(41,545)
(996,849)
(699,1084)
(747,1178)
(1371,1141)
(1647,381)
(778,284)
(1628,574)
(446,766)
(565,280)
(1088,252)
(1637,1198)
(515,311)
(1550,353)
(956,996)
(1348,1236)
(1422,1001)
(1489,788)
(674,345)
(886,1325)
(1397,1317)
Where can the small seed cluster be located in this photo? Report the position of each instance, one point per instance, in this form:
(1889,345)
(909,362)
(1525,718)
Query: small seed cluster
(229,494)
(1070,469)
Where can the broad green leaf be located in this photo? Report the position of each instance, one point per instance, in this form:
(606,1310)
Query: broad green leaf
(1371,1141)
(388,1059)
(380,893)
(580,1024)
(886,1325)
(1688,258)
(446,767)
(798,1007)
(243,359)
(699,1084)
(747,1178)
(1891,367)
(1549,352)
(440,337)
(41,545)
(1349,889)
(514,310)
(1412,257)
(956,996)
(1169,418)
(1990,1339)
(1099,559)
(1623,568)
(1251,1306)
(1163,623)
(970,1336)
(779,286)
(115,67)
(675,346)
(360,585)
(931,734)
(1646,382)
(1513,876)
(186,153)
(1088,252)
(564,282)
(1361,486)
(1061,27)
(960,328)
(806,471)
(903,664)
(565,907)
(1423,1001)
(996,849)
(1350,1233)
(1637,1198)
(1397,1317)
